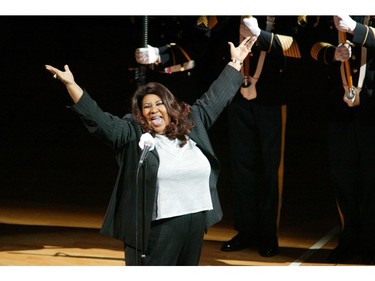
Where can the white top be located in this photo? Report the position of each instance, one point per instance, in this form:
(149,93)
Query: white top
(183,179)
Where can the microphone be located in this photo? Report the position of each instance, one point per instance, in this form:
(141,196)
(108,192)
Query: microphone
(146,149)
(147,143)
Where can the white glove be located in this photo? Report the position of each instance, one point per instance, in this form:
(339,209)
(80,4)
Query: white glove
(147,55)
(252,24)
(343,52)
(345,23)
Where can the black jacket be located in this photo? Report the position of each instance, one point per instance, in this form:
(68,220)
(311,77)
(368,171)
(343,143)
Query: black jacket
(123,136)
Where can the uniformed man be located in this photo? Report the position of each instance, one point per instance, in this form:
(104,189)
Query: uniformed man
(255,128)
(347,45)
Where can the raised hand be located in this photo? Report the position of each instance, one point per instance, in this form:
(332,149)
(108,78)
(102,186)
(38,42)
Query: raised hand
(240,53)
(67,78)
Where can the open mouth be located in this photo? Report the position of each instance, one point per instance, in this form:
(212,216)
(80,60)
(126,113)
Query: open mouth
(156,121)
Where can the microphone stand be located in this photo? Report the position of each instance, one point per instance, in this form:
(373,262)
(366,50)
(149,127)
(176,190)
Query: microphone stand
(142,236)
(141,80)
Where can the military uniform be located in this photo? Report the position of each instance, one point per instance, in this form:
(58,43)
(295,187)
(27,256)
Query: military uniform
(255,133)
(351,135)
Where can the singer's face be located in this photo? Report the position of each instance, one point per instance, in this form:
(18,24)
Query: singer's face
(155,112)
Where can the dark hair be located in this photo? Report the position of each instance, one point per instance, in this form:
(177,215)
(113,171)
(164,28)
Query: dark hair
(179,112)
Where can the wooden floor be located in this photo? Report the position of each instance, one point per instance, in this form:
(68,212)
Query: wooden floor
(43,235)
(39,237)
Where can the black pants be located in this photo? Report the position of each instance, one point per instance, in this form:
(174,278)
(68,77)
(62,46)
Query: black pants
(173,241)
(351,143)
(255,144)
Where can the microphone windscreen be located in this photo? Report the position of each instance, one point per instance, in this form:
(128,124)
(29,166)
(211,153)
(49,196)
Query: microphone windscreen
(147,138)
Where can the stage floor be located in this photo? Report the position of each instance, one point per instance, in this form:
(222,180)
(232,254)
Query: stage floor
(39,234)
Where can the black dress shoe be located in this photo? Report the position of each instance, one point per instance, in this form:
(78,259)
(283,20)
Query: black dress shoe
(269,247)
(237,243)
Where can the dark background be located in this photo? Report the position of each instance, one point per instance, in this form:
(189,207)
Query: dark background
(48,156)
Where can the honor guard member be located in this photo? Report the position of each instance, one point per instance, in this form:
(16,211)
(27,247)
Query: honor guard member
(178,59)
(256,122)
(348,48)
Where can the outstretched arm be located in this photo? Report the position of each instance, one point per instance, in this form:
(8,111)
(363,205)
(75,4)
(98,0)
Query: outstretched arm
(67,78)
(238,54)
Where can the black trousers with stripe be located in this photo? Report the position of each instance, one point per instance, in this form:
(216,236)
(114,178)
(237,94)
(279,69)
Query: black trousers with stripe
(255,144)
(172,241)
(351,147)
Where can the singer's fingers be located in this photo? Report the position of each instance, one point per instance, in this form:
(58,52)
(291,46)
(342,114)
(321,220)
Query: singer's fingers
(251,41)
(52,70)
(49,68)
(245,40)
